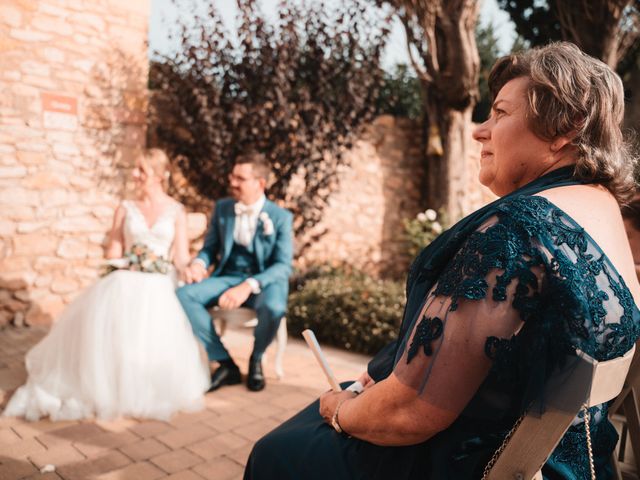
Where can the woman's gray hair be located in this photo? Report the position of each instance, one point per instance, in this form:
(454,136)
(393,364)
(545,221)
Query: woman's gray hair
(574,95)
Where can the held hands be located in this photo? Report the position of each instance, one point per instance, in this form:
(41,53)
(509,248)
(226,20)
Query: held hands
(193,273)
(235,296)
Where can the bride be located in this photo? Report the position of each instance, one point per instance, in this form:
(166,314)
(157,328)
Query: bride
(124,346)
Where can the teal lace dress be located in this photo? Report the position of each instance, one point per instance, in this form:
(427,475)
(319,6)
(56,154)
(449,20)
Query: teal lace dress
(525,286)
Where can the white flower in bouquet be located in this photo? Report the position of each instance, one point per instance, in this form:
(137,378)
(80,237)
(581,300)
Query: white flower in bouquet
(430,214)
(422,217)
(436,227)
(267,223)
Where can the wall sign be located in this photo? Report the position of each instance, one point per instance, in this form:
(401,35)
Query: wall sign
(59,112)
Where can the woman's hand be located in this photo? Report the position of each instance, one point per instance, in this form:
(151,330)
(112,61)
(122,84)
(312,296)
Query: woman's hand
(329,402)
(366,380)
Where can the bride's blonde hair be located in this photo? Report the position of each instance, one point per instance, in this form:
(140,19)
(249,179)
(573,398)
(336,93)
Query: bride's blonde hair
(158,162)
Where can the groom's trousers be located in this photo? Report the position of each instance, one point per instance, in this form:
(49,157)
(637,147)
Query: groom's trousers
(270,305)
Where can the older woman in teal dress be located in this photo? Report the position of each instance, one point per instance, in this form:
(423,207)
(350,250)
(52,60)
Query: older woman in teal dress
(499,300)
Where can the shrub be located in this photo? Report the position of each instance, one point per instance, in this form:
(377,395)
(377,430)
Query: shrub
(347,309)
(423,229)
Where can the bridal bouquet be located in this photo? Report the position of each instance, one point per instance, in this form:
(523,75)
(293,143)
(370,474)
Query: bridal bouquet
(139,259)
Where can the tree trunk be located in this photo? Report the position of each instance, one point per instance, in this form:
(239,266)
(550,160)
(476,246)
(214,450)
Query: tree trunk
(449,178)
(595,26)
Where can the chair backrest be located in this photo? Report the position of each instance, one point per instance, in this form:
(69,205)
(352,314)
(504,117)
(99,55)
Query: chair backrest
(583,381)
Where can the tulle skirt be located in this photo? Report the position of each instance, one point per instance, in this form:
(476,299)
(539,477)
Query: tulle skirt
(124,347)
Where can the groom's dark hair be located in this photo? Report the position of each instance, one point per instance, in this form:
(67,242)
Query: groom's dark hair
(261,166)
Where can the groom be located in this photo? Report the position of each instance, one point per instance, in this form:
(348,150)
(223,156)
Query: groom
(250,242)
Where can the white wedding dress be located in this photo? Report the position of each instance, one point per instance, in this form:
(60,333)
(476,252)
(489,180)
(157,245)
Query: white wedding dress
(123,347)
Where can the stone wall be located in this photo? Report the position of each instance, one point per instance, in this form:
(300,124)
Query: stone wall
(72,100)
(383,185)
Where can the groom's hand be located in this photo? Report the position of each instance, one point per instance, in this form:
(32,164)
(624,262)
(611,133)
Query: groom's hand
(235,296)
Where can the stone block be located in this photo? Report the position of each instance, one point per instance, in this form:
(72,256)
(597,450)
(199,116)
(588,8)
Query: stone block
(51,24)
(10,16)
(31,67)
(48,264)
(51,9)
(7,227)
(78,225)
(46,180)
(34,244)
(72,248)
(53,55)
(96,22)
(32,158)
(30,227)
(19,196)
(29,35)
(13,172)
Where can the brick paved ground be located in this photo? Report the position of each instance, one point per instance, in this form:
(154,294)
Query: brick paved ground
(212,444)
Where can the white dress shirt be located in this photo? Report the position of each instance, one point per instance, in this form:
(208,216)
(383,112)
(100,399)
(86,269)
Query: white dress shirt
(247,221)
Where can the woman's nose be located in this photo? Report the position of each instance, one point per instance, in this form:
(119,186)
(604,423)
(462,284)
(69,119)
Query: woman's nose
(481,132)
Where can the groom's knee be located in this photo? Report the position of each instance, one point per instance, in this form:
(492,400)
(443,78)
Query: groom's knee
(185,294)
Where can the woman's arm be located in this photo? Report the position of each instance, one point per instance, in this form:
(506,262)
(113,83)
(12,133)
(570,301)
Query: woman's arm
(115,239)
(425,395)
(388,414)
(181,255)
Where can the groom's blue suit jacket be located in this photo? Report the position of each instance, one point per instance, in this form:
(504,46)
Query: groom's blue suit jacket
(273,250)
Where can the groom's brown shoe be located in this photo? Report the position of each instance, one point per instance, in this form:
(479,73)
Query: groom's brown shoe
(255,379)
(225,374)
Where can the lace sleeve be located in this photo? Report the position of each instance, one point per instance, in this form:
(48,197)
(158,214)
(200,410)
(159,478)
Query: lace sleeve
(487,292)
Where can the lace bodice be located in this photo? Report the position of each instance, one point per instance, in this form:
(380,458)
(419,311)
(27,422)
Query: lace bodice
(158,237)
(529,288)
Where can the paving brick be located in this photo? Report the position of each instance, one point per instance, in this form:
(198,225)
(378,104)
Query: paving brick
(7,435)
(294,400)
(241,455)
(221,468)
(184,475)
(185,436)
(144,449)
(98,444)
(265,410)
(21,449)
(256,430)
(76,433)
(34,429)
(181,419)
(135,471)
(57,456)
(12,469)
(44,476)
(177,460)
(119,425)
(230,421)
(93,467)
(219,445)
(150,428)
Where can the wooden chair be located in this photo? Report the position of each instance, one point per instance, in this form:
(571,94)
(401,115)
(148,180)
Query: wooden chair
(246,318)
(624,410)
(583,382)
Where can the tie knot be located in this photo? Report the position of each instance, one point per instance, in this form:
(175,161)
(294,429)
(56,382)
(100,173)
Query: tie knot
(241,209)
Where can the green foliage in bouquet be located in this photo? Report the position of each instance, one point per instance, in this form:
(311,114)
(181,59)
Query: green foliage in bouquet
(423,229)
(139,259)
(346,308)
